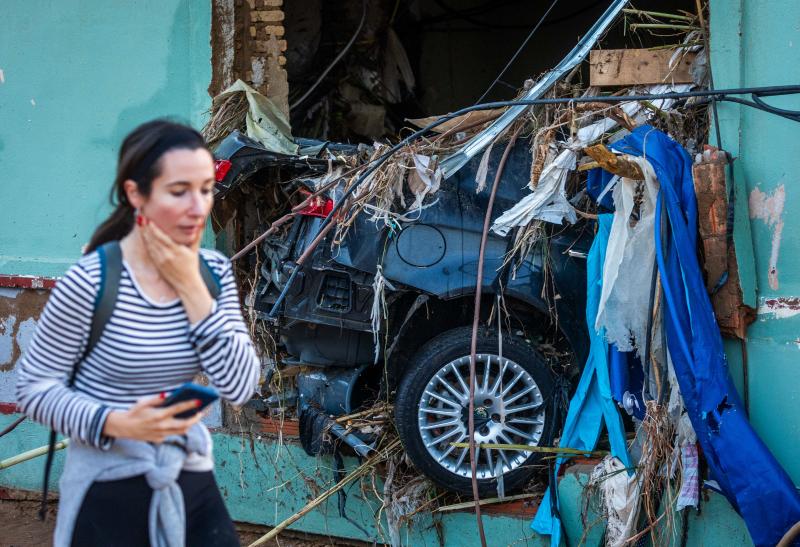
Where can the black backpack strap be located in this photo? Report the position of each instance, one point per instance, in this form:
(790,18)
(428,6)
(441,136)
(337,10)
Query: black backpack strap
(110,256)
(48,465)
(110,275)
(210,278)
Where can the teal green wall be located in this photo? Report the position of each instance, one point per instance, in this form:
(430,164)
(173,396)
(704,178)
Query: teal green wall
(264,482)
(757,43)
(78,75)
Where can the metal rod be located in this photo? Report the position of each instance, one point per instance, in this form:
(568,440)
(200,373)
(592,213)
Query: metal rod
(324,229)
(272,229)
(487,501)
(351,439)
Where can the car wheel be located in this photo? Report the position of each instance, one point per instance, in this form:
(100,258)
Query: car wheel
(511,395)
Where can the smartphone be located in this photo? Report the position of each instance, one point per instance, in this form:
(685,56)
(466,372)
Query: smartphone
(189,391)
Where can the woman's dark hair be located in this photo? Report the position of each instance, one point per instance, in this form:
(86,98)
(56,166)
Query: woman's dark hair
(139,161)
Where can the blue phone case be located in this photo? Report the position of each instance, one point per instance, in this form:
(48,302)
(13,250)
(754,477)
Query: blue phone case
(187,392)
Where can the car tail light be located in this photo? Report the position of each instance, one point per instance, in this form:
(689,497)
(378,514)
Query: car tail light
(221,168)
(319,206)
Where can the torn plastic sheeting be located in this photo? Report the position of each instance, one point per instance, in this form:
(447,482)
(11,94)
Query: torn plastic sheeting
(455,162)
(630,259)
(548,202)
(428,179)
(379,309)
(265,121)
(748,474)
(483,170)
(592,404)
(620,492)
(599,186)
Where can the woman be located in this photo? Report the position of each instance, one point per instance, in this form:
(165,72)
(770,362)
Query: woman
(135,474)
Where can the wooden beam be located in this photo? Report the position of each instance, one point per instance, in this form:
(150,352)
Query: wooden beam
(624,67)
(613,163)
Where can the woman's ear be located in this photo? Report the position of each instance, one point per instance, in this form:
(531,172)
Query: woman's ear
(135,198)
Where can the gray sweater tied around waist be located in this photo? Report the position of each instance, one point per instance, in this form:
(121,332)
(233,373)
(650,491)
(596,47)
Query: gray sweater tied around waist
(159,463)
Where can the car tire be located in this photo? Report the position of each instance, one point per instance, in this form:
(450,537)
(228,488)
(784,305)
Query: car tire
(417,412)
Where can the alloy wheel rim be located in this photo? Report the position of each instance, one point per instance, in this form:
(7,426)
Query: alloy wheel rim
(509,409)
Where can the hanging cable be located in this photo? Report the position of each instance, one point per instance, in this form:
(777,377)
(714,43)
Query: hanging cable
(431,21)
(487,222)
(519,49)
(338,58)
(12,426)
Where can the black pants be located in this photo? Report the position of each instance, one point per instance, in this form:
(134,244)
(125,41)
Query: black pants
(114,513)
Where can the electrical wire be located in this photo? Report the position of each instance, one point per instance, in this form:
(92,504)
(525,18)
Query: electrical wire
(719,95)
(451,13)
(463,15)
(13,426)
(455,14)
(487,222)
(519,50)
(336,60)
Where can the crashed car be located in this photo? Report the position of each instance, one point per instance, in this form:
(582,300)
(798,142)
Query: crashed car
(532,308)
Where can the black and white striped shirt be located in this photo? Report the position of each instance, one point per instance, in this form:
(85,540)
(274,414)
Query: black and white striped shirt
(146,348)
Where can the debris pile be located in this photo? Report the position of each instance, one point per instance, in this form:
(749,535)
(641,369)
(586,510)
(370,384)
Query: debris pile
(613,156)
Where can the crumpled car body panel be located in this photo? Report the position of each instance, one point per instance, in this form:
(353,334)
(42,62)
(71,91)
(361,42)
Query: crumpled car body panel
(436,255)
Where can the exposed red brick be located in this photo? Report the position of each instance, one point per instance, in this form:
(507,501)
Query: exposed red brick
(27,281)
(289,428)
(8,408)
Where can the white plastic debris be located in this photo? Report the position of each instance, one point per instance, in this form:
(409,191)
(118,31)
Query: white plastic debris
(630,258)
(429,175)
(483,170)
(548,202)
(379,311)
(265,121)
(619,493)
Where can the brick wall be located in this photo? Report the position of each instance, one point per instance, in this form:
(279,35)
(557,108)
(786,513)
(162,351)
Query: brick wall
(263,49)
(248,42)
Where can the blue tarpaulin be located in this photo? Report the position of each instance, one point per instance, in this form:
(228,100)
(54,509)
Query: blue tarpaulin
(627,377)
(748,474)
(592,405)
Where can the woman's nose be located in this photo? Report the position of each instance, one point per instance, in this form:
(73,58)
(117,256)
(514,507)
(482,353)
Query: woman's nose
(199,205)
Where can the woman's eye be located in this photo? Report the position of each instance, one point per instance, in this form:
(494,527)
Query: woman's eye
(178,193)
(206,191)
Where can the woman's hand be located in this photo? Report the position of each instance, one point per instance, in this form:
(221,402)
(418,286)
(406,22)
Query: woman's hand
(148,421)
(179,265)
